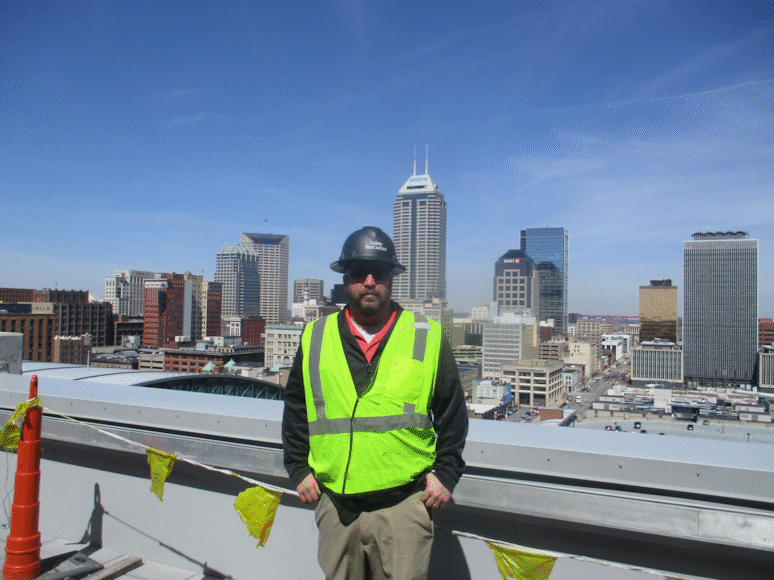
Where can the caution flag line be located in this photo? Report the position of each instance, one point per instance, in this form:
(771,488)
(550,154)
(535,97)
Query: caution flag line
(504,552)
(180,458)
(550,554)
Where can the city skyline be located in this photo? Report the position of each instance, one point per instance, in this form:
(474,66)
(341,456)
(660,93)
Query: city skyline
(162,134)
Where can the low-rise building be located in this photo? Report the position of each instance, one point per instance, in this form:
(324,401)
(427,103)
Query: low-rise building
(584,354)
(509,338)
(469,376)
(197,360)
(38,331)
(151,361)
(570,379)
(126,327)
(613,346)
(468,354)
(553,349)
(766,369)
(657,360)
(281,342)
(536,382)
(489,392)
(74,350)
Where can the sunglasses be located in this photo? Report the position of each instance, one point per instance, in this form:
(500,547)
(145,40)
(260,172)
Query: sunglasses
(360,273)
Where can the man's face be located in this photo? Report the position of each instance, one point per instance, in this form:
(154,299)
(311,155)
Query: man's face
(368,286)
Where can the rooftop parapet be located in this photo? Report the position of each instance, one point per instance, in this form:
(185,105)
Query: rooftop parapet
(691,507)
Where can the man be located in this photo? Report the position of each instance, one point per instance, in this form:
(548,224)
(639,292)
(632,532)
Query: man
(374,424)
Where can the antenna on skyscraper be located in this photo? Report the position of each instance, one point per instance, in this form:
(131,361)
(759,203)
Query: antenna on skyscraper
(415,159)
(427,147)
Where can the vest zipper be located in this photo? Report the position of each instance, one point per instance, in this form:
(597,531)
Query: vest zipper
(352,426)
(351,442)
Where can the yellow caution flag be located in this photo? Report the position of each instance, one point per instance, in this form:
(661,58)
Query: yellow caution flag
(521,565)
(257,507)
(161,464)
(11,432)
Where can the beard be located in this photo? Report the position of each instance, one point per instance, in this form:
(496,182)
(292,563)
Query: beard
(368,301)
(369,304)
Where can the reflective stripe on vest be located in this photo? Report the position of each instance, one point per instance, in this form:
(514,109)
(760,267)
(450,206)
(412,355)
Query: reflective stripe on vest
(346,427)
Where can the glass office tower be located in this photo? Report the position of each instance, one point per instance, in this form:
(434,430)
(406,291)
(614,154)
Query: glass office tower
(237,270)
(548,247)
(720,308)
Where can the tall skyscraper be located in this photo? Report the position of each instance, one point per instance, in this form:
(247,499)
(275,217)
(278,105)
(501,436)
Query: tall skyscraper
(658,311)
(515,287)
(237,270)
(273,251)
(548,247)
(720,308)
(419,233)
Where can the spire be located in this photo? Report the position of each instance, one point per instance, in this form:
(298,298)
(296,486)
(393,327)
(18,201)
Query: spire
(427,147)
(415,160)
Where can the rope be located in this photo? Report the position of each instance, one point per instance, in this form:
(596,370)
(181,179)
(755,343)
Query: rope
(180,458)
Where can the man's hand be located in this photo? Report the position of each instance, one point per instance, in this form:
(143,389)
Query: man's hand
(435,495)
(308,490)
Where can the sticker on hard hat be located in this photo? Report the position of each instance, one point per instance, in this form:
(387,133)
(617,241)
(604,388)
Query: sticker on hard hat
(375,246)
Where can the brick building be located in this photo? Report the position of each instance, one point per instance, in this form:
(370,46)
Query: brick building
(163,311)
(38,331)
(74,350)
(126,326)
(253,327)
(765,332)
(193,361)
(75,315)
(180,305)
(16,295)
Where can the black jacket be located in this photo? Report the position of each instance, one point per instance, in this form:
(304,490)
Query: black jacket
(448,410)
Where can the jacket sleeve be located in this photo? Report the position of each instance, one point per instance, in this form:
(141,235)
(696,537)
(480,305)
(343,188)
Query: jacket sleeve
(450,420)
(295,427)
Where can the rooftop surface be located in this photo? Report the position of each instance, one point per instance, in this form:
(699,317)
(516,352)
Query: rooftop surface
(53,550)
(609,505)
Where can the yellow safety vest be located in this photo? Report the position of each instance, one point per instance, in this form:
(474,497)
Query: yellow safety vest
(384,438)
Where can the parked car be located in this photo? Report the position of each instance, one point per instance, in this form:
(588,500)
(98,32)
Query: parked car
(689,427)
(705,422)
(638,425)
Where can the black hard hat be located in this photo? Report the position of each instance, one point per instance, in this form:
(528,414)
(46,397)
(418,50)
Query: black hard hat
(369,244)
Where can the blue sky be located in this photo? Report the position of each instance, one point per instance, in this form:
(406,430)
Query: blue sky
(147,135)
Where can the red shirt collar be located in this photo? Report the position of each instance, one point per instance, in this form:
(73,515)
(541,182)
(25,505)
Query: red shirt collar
(369,348)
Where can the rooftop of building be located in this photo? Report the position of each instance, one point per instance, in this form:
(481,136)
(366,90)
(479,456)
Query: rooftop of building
(265,239)
(719,235)
(612,506)
(417,184)
(237,249)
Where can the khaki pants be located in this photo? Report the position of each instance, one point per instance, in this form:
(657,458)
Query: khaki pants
(396,541)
